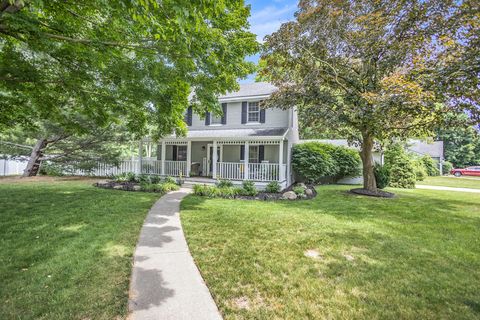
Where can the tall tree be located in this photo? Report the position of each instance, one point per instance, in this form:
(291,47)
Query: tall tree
(108,60)
(366,68)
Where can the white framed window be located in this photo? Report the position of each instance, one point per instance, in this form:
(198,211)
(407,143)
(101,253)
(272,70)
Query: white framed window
(253,112)
(214,119)
(181,153)
(253,154)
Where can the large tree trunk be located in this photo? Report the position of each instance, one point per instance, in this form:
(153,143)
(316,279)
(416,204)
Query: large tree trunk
(35,160)
(366,154)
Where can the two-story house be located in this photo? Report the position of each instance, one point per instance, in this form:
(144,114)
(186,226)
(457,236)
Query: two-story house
(245,143)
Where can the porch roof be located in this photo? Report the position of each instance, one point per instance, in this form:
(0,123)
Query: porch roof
(271,133)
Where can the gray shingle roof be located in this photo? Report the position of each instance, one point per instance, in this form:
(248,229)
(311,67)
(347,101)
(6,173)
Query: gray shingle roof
(251,89)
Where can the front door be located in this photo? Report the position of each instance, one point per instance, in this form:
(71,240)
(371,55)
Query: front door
(210,157)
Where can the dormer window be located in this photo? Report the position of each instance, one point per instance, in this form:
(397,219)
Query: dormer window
(253,112)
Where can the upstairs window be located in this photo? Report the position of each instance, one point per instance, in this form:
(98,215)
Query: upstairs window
(214,119)
(253,112)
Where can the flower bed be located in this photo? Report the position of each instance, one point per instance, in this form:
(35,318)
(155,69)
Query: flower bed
(145,183)
(225,189)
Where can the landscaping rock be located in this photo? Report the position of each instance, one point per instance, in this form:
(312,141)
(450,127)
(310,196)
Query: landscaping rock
(300,184)
(136,188)
(309,192)
(289,195)
(118,187)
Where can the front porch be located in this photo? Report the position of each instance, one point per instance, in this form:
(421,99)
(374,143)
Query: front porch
(236,160)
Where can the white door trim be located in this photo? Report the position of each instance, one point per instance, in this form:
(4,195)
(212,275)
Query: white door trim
(220,159)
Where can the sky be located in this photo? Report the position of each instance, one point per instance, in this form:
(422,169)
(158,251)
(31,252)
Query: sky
(266,17)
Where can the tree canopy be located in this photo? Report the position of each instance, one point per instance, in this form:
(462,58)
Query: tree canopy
(109,59)
(375,70)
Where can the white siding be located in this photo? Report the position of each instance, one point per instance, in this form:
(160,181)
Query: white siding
(274,118)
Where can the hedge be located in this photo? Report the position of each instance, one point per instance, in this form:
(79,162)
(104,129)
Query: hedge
(314,161)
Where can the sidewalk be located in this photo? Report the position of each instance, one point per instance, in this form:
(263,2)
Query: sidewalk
(447,188)
(166,283)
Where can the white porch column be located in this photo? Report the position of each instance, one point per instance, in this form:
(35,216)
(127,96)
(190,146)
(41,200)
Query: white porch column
(140,156)
(214,161)
(245,157)
(281,172)
(189,157)
(163,158)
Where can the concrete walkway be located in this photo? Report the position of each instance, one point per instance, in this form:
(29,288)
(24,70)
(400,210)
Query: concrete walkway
(166,283)
(419,186)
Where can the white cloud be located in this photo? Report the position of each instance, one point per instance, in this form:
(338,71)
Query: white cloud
(268,19)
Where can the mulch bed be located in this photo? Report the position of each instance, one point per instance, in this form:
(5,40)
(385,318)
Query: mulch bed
(126,186)
(264,196)
(379,193)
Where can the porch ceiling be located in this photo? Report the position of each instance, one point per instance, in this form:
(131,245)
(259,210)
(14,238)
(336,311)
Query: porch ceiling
(270,134)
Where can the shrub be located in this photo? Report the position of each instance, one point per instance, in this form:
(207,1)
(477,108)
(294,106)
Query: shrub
(347,162)
(273,187)
(248,188)
(447,166)
(147,187)
(382,176)
(400,166)
(142,178)
(314,161)
(155,179)
(216,192)
(299,190)
(50,169)
(431,166)
(419,170)
(165,187)
(224,183)
(170,180)
(122,177)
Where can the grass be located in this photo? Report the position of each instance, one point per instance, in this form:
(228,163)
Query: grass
(67,249)
(451,181)
(416,256)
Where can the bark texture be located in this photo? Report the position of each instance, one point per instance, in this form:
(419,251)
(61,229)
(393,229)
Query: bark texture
(33,165)
(366,154)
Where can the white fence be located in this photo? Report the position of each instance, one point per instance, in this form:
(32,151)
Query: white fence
(256,171)
(172,168)
(12,167)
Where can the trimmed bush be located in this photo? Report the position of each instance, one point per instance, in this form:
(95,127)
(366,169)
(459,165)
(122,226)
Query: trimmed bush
(347,162)
(273,187)
(447,166)
(400,166)
(216,192)
(382,176)
(162,187)
(430,165)
(419,169)
(224,183)
(248,188)
(170,180)
(314,161)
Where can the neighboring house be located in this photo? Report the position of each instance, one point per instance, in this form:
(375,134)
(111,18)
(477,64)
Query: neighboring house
(245,143)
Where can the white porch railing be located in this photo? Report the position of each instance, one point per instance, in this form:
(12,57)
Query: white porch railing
(151,166)
(256,171)
(230,170)
(104,170)
(175,168)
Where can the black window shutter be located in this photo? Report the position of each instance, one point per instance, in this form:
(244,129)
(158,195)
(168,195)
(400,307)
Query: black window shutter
(189,116)
(174,153)
(224,116)
(207,118)
(262,115)
(261,153)
(244,111)
(242,152)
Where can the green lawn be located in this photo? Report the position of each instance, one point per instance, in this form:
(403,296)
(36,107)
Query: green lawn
(416,256)
(451,181)
(66,249)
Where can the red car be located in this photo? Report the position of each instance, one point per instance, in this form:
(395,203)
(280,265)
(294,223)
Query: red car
(468,171)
